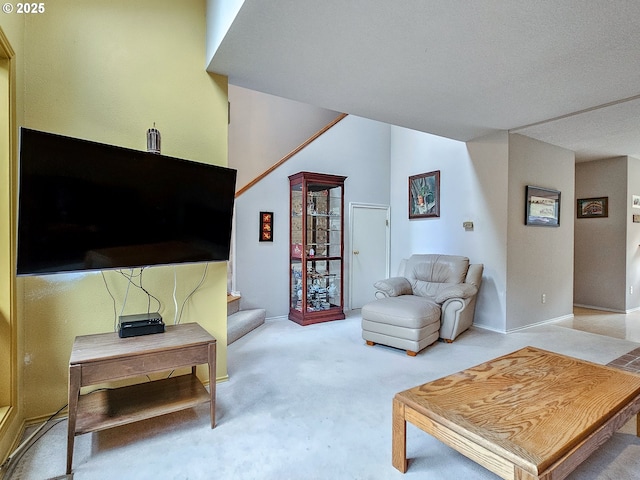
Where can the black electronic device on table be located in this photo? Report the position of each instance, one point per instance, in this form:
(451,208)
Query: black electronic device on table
(140,324)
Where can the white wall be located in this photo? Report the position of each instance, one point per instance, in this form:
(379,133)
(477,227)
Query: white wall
(633,236)
(264,128)
(355,147)
(473,184)
(490,162)
(599,251)
(539,259)
(220,16)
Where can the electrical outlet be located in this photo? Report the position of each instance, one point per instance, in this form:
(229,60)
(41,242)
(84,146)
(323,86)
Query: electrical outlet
(543,299)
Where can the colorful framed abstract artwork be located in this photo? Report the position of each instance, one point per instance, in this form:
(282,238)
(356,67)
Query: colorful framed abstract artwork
(424,195)
(266,226)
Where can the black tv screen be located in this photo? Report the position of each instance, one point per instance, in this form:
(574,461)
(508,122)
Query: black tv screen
(89,206)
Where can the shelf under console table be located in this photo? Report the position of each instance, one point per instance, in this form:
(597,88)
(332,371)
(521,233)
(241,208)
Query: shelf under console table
(106,357)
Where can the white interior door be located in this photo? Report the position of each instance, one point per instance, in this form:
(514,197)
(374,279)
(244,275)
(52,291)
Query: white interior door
(370,250)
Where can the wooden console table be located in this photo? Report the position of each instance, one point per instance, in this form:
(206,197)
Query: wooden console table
(106,357)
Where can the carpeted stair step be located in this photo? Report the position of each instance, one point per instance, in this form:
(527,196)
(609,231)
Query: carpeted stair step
(233,304)
(242,322)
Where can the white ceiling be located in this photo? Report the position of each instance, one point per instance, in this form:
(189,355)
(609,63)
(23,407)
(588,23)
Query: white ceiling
(566,72)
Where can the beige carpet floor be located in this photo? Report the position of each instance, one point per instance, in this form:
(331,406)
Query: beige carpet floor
(315,403)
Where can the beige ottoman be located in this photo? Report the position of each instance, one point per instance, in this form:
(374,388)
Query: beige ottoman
(408,322)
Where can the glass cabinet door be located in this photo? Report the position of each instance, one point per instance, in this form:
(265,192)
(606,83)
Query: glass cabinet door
(296,247)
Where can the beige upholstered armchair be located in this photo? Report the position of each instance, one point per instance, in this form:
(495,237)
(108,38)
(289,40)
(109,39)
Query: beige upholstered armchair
(434,296)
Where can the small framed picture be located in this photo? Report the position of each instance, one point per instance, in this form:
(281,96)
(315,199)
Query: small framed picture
(266,226)
(424,195)
(542,207)
(593,207)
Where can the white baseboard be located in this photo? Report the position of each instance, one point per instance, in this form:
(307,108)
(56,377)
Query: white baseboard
(604,309)
(490,329)
(543,322)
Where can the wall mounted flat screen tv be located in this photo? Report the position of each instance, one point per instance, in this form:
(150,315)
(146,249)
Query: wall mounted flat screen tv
(89,206)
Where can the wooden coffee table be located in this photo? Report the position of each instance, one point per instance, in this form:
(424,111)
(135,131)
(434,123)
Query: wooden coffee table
(532,414)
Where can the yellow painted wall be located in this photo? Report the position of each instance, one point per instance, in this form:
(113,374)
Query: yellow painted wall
(105,70)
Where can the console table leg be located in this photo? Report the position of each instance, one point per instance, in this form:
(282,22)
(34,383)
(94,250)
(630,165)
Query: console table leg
(74,394)
(399,437)
(212,382)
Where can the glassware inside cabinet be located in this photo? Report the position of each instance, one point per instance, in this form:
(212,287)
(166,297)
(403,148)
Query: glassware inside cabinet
(323,284)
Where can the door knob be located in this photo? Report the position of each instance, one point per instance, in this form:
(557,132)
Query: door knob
(356,252)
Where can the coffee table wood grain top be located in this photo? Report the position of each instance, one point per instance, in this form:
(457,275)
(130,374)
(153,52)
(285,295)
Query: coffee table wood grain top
(529,414)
